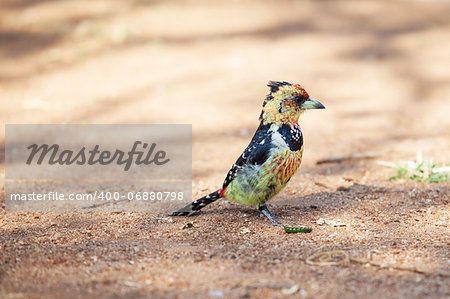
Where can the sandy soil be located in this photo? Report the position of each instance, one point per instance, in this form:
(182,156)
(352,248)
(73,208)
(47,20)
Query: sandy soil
(380,68)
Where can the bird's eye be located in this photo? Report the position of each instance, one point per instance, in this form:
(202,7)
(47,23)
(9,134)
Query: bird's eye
(297,98)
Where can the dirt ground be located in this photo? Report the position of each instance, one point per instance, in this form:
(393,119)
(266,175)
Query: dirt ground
(380,67)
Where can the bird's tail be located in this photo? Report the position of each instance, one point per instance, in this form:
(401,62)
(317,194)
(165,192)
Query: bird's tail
(199,204)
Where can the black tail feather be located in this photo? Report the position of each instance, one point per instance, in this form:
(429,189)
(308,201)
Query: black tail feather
(197,204)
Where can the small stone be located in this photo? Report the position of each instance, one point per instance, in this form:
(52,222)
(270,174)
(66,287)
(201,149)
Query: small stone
(290,291)
(187,225)
(130,284)
(216,293)
(333,223)
(245,231)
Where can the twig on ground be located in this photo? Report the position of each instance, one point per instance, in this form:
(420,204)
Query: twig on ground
(328,258)
(355,156)
(401,268)
(324,185)
(339,257)
(96,205)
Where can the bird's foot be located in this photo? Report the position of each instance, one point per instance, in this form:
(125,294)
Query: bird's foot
(266,212)
(276,223)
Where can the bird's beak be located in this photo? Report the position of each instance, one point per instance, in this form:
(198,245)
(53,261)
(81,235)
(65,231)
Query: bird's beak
(312,104)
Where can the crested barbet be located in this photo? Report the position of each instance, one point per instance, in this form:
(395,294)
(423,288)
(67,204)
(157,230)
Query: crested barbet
(272,157)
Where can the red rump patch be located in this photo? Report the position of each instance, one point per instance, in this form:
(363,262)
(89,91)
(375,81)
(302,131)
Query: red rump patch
(301,90)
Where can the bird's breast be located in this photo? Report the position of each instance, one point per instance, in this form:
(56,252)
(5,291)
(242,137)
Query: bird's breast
(283,164)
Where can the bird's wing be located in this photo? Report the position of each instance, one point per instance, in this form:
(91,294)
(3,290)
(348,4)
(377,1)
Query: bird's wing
(256,153)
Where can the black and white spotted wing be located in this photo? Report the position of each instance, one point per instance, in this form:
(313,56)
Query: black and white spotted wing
(256,153)
(292,135)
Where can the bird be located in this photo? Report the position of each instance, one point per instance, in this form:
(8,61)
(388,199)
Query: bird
(272,157)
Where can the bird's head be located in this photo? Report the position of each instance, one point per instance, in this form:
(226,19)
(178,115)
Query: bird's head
(286,102)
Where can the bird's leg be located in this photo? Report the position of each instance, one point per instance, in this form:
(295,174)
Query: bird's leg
(266,212)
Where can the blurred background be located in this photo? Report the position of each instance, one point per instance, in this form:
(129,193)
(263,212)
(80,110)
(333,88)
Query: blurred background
(381,68)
